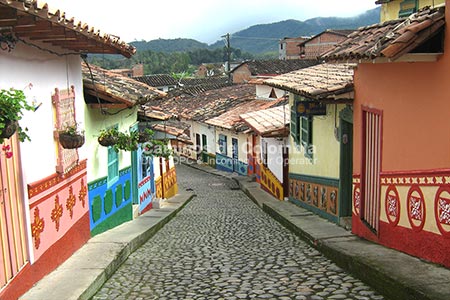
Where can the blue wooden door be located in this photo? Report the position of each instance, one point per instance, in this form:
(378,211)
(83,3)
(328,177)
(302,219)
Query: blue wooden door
(235,154)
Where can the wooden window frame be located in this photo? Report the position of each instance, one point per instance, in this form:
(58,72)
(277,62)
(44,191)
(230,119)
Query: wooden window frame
(113,162)
(407,8)
(223,146)
(306,134)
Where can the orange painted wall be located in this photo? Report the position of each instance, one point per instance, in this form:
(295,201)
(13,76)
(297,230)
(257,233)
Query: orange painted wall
(415,100)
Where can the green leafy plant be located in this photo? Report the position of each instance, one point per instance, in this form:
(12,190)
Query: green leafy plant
(108,137)
(145,135)
(12,105)
(127,141)
(158,148)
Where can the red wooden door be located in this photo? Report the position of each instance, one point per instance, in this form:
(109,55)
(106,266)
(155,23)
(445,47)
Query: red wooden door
(371,168)
(13,246)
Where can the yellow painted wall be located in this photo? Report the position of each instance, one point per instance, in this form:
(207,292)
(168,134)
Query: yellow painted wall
(389,11)
(325,162)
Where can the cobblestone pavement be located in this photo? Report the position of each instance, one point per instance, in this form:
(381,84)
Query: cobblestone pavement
(222,246)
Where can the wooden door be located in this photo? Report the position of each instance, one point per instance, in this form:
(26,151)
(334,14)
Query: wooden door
(235,154)
(13,243)
(371,168)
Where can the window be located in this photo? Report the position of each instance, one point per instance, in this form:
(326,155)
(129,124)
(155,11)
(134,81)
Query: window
(407,7)
(264,153)
(113,165)
(301,128)
(306,131)
(295,124)
(223,144)
(273,94)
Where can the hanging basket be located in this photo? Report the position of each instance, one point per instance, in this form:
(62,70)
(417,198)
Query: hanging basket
(143,137)
(71,141)
(9,130)
(107,141)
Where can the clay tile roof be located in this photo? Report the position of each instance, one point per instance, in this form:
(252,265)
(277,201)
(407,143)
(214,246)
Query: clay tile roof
(196,86)
(175,128)
(323,81)
(28,19)
(269,122)
(341,32)
(277,66)
(203,106)
(115,88)
(157,80)
(390,39)
(231,118)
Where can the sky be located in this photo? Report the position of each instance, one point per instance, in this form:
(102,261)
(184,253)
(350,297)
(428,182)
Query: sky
(203,20)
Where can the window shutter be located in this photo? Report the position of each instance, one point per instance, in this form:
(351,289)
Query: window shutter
(294,123)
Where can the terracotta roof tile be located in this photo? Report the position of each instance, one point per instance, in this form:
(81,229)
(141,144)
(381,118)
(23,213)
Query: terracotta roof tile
(116,88)
(46,25)
(231,118)
(390,39)
(269,122)
(202,106)
(276,66)
(157,80)
(317,82)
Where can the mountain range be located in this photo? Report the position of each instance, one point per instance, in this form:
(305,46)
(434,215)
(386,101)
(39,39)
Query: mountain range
(264,38)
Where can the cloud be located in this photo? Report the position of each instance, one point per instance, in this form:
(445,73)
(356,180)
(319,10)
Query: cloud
(204,20)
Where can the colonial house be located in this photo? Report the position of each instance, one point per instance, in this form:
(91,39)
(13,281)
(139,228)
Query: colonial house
(313,47)
(116,179)
(136,71)
(320,146)
(393,9)
(257,69)
(401,166)
(44,212)
(197,140)
(268,150)
(289,48)
(210,70)
(232,136)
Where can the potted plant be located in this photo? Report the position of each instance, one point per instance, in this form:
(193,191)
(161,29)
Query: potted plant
(127,142)
(145,135)
(71,137)
(108,137)
(12,105)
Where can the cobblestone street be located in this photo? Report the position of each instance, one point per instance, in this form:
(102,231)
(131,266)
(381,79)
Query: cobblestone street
(222,246)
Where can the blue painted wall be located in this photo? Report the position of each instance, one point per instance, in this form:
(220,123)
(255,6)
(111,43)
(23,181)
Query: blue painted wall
(110,206)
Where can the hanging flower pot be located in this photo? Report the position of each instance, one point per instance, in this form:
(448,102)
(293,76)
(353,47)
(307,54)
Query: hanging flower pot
(71,137)
(145,136)
(13,104)
(9,129)
(70,141)
(107,141)
(108,137)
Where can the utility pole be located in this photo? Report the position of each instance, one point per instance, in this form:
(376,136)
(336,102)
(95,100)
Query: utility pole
(227,36)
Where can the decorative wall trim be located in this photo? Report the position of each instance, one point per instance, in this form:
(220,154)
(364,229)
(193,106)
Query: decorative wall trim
(316,179)
(318,192)
(271,183)
(45,184)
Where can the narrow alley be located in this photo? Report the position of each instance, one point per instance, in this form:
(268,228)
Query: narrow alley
(222,246)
